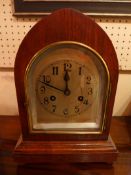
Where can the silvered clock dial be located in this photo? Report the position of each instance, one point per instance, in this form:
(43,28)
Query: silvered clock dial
(66,88)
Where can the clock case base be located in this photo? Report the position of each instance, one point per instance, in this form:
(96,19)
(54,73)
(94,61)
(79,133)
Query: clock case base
(66,151)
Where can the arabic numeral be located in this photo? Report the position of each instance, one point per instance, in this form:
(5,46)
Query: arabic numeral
(46,100)
(42,89)
(67,66)
(80,70)
(55,70)
(90,91)
(88,79)
(85,102)
(53,108)
(77,109)
(46,78)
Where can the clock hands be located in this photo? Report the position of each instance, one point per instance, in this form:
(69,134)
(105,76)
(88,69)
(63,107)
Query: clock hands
(66,78)
(66,91)
(52,86)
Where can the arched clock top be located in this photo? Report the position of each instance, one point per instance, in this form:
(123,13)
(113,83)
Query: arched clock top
(66,25)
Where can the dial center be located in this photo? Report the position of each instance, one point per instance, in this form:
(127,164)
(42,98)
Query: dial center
(67,92)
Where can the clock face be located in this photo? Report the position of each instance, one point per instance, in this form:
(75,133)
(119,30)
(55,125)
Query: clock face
(66,88)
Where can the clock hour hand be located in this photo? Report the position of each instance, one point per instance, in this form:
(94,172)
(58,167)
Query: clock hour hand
(66,78)
(49,85)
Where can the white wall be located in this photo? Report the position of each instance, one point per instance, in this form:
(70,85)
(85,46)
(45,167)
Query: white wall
(8,101)
(122,106)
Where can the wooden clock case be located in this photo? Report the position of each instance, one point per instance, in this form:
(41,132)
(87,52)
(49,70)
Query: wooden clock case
(64,25)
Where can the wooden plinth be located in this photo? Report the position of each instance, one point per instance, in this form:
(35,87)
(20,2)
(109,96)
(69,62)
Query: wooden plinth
(65,151)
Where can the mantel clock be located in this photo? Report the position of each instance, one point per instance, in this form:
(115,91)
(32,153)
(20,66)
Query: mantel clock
(66,73)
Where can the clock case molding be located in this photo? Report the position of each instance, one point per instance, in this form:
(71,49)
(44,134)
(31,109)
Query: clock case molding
(64,25)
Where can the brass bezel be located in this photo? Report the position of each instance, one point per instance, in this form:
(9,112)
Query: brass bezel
(26,94)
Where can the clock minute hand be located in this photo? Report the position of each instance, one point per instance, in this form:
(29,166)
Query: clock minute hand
(52,86)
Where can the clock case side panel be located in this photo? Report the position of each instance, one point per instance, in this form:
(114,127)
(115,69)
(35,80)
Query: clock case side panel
(64,25)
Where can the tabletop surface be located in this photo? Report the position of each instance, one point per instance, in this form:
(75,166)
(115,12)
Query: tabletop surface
(121,167)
